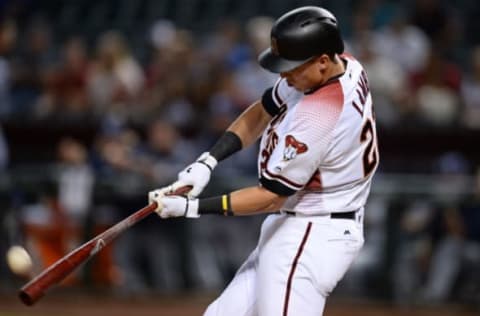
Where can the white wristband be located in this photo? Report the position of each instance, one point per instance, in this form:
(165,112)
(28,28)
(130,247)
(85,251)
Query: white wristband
(192,209)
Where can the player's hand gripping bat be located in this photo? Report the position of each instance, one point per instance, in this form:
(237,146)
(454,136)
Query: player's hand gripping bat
(36,288)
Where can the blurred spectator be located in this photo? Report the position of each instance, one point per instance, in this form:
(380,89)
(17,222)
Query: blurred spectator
(31,67)
(163,34)
(150,256)
(471,92)
(160,74)
(431,238)
(173,59)
(47,227)
(457,247)
(361,28)
(387,81)
(116,79)
(117,155)
(166,151)
(250,80)
(379,53)
(75,180)
(117,165)
(8,36)
(411,255)
(437,90)
(225,45)
(402,42)
(225,104)
(75,193)
(430,16)
(65,94)
(54,220)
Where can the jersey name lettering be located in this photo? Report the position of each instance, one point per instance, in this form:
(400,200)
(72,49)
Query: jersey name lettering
(362,91)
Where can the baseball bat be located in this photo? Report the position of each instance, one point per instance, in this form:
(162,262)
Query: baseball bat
(36,288)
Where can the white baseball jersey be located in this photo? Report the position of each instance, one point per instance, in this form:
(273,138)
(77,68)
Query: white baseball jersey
(320,148)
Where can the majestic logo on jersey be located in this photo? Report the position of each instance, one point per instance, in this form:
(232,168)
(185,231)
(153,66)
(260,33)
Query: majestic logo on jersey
(293,148)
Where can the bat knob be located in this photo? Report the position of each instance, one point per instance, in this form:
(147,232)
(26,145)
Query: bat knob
(28,299)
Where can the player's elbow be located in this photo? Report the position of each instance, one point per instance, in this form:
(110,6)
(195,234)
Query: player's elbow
(277,204)
(275,200)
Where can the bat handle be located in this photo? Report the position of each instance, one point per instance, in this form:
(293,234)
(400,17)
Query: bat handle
(182,190)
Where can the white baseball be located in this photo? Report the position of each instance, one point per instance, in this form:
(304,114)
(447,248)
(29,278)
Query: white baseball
(19,260)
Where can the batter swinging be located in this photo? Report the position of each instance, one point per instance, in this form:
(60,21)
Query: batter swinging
(318,154)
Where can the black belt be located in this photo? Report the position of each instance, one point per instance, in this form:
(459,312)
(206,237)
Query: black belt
(342,215)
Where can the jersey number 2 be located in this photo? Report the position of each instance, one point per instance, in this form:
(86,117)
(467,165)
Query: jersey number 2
(370,156)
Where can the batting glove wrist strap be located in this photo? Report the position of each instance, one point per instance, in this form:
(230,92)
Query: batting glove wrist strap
(191,209)
(208,160)
(196,175)
(177,206)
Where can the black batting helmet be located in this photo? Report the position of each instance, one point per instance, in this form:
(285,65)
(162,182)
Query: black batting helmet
(299,35)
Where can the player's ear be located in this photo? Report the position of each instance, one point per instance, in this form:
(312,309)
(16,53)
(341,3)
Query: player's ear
(322,62)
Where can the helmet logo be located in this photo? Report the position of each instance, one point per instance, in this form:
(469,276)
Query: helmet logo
(274,46)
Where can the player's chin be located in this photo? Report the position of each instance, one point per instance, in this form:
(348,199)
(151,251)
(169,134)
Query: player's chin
(297,85)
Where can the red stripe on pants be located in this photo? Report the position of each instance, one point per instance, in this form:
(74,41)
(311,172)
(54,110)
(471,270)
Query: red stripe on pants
(294,266)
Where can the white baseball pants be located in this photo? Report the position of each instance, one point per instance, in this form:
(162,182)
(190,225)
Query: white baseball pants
(296,264)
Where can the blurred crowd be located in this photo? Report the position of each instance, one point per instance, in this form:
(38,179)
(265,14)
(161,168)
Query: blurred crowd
(422,67)
(155,109)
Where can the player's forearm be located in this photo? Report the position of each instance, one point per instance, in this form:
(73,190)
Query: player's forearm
(241,133)
(250,124)
(245,201)
(254,200)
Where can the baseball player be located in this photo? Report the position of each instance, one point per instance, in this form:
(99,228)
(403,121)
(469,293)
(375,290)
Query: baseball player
(318,153)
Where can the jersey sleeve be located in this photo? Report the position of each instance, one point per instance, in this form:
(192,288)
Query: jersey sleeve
(276,96)
(303,144)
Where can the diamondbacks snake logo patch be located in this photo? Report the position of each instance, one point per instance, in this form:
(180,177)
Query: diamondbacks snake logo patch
(293,148)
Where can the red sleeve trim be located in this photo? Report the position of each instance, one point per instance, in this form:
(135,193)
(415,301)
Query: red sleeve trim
(278,177)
